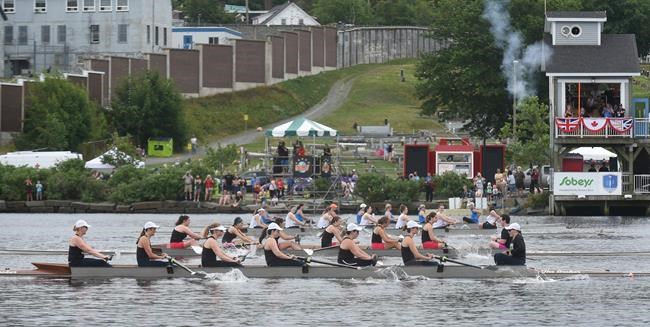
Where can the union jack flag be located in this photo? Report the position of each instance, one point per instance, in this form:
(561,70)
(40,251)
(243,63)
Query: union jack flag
(621,125)
(567,125)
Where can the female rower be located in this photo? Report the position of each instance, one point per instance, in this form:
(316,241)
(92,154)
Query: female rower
(258,221)
(350,253)
(380,240)
(442,220)
(326,218)
(429,239)
(502,242)
(235,231)
(212,250)
(292,218)
(77,247)
(422,213)
(403,218)
(182,231)
(286,240)
(272,253)
(410,254)
(299,214)
(332,231)
(144,253)
(361,212)
(516,256)
(474,214)
(368,217)
(491,221)
(388,213)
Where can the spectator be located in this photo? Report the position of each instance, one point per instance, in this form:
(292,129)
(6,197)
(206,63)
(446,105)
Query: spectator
(519,180)
(187,181)
(534,181)
(39,191)
(209,185)
(592,168)
(428,187)
(512,183)
(478,184)
(604,167)
(198,185)
(194,144)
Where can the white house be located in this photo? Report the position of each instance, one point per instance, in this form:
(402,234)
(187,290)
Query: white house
(286,14)
(187,37)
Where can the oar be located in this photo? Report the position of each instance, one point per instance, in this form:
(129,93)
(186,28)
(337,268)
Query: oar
(334,264)
(444,259)
(310,252)
(186,268)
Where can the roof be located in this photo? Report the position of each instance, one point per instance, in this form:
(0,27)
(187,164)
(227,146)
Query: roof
(206,29)
(453,148)
(274,12)
(617,54)
(597,15)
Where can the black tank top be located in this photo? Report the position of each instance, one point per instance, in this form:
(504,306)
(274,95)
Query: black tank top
(425,236)
(208,257)
(228,237)
(376,238)
(271,258)
(141,256)
(326,239)
(75,254)
(177,236)
(407,254)
(346,256)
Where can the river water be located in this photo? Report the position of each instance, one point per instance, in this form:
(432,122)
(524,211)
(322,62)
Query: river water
(233,300)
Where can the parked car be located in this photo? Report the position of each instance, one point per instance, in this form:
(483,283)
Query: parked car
(261,178)
(545,175)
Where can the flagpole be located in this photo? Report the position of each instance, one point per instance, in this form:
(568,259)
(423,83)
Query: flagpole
(579,104)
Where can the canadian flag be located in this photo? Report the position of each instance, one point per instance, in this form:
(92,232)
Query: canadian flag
(594,124)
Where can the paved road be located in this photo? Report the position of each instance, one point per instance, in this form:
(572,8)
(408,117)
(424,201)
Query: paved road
(334,99)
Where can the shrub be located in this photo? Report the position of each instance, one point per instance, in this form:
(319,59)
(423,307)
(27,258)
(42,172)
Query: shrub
(379,188)
(537,200)
(450,184)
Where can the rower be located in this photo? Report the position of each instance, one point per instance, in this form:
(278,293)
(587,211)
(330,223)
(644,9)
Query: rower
(332,231)
(502,242)
(491,221)
(292,219)
(403,218)
(274,257)
(236,231)
(473,214)
(77,247)
(286,240)
(350,253)
(380,240)
(516,256)
(442,220)
(144,253)
(410,254)
(368,217)
(326,218)
(361,212)
(299,214)
(181,232)
(258,221)
(212,250)
(422,213)
(429,239)
(388,212)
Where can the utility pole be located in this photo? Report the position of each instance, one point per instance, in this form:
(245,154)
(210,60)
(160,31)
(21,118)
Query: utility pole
(247,14)
(514,100)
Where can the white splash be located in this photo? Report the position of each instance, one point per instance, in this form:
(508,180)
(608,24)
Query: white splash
(233,276)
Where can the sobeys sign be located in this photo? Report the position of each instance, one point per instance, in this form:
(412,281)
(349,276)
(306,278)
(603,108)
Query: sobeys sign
(604,183)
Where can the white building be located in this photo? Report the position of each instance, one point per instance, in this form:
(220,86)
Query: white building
(42,34)
(187,37)
(286,14)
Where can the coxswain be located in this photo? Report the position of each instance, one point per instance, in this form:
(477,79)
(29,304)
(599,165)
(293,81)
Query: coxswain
(410,254)
(491,221)
(235,234)
(516,255)
(442,220)
(429,239)
(332,231)
(361,212)
(474,214)
(380,240)
(422,213)
(258,221)
(292,220)
(181,232)
(77,247)
(144,253)
(503,242)
(212,250)
(349,251)
(326,217)
(368,217)
(403,218)
(272,253)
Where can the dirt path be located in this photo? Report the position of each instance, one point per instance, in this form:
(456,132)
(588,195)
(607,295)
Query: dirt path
(334,99)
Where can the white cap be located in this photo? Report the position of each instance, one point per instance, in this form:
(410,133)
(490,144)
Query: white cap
(81,223)
(150,224)
(273,226)
(353,226)
(363,205)
(412,224)
(220,227)
(260,210)
(422,206)
(514,226)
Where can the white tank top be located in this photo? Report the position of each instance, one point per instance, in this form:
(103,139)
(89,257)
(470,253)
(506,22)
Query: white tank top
(439,223)
(323,222)
(492,220)
(401,221)
(365,221)
(253,223)
(288,221)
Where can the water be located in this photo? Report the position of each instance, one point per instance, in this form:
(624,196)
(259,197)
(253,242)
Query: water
(234,300)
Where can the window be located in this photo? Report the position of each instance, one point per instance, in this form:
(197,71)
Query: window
(301,21)
(61,34)
(284,21)
(105,5)
(148,34)
(165,36)
(40,5)
(122,33)
(122,5)
(45,33)
(94,34)
(22,35)
(156,36)
(9,34)
(9,6)
(213,40)
(89,5)
(72,6)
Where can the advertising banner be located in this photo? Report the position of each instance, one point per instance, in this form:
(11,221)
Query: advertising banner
(602,183)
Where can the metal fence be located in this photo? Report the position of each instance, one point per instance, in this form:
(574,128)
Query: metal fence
(642,184)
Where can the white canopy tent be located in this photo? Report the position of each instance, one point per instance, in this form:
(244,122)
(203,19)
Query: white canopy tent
(97,164)
(594,153)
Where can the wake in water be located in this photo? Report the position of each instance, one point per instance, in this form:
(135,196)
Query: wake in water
(233,276)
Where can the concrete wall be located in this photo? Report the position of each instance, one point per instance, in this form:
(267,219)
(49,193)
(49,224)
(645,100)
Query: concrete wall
(277,57)
(184,70)
(291,53)
(216,68)
(318,47)
(11,113)
(158,63)
(119,71)
(304,52)
(250,63)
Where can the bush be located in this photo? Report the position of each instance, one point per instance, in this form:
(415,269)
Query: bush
(450,184)
(379,188)
(69,180)
(537,200)
(404,190)
(12,181)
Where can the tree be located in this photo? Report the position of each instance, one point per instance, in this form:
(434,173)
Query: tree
(626,17)
(205,11)
(357,12)
(60,116)
(149,106)
(221,158)
(532,135)
(123,152)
